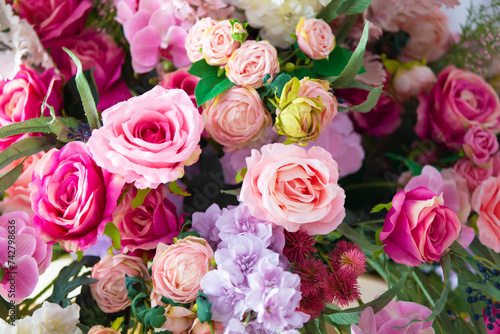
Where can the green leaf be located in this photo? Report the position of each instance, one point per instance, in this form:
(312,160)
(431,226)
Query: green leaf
(209,87)
(60,125)
(28,126)
(10,177)
(85,92)
(112,231)
(174,188)
(117,323)
(203,310)
(357,238)
(355,62)
(24,148)
(201,68)
(140,197)
(275,88)
(464,277)
(303,72)
(347,7)
(182,235)
(344,28)
(335,64)
(371,101)
(2,273)
(72,101)
(321,323)
(79,255)
(343,318)
(381,206)
(241,174)
(415,167)
(135,285)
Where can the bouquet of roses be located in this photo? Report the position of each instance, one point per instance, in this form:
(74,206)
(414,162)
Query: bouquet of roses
(228,166)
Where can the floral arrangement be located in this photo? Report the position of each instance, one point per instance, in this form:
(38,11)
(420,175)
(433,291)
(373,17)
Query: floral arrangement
(232,166)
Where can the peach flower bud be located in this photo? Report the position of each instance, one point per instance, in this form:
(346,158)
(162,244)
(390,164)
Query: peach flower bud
(251,63)
(102,330)
(178,268)
(411,82)
(204,327)
(315,38)
(194,38)
(218,45)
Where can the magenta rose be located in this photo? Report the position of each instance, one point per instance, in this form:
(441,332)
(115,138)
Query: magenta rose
(479,145)
(181,79)
(95,51)
(21,98)
(152,222)
(418,227)
(53,19)
(73,198)
(149,138)
(459,100)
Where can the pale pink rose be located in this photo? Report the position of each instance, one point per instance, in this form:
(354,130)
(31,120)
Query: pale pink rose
(149,138)
(236,117)
(430,36)
(179,319)
(251,62)
(18,195)
(418,228)
(21,98)
(486,203)
(110,291)
(194,38)
(218,45)
(55,18)
(101,330)
(473,174)
(315,38)
(204,327)
(293,188)
(181,79)
(320,89)
(152,222)
(178,268)
(24,257)
(408,83)
(479,145)
(72,197)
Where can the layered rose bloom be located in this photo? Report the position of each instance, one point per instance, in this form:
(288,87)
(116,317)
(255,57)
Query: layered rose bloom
(315,38)
(149,138)
(178,268)
(24,249)
(293,188)
(56,18)
(251,62)
(418,227)
(479,145)
(181,79)
(21,98)
(218,45)
(473,174)
(236,117)
(73,198)
(486,202)
(194,38)
(459,100)
(101,330)
(95,51)
(110,291)
(152,222)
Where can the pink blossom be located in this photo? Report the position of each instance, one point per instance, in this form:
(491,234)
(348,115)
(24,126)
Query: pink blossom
(375,74)
(181,79)
(218,45)
(315,38)
(485,201)
(408,83)
(194,38)
(473,174)
(479,145)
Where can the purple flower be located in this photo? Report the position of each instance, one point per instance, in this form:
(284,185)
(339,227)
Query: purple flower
(204,224)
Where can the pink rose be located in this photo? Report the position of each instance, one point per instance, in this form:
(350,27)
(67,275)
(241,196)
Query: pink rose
(95,51)
(486,203)
(181,79)
(179,319)
(72,197)
(110,291)
(149,138)
(236,117)
(394,314)
(178,268)
(473,174)
(18,195)
(251,62)
(101,330)
(479,145)
(152,222)
(430,36)
(204,327)
(315,38)
(21,98)
(408,83)
(218,45)
(459,100)
(320,89)
(194,38)
(293,188)
(418,227)
(24,256)
(55,18)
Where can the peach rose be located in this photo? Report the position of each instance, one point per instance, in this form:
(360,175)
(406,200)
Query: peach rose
(110,291)
(194,38)
(251,63)
(178,268)
(411,82)
(101,330)
(218,45)
(293,188)
(473,174)
(320,89)
(315,38)
(204,327)
(486,202)
(179,319)
(236,117)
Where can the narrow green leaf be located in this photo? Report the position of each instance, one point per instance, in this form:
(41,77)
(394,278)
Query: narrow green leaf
(140,197)
(203,310)
(83,87)
(112,231)
(357,238)
(174,188)
(322,325)
(352,7)
(343,318)
(415,167)
(344,29)
(79,255)
(28,126)
(241,174)
(60,126)
(117,323)
(24,148)
(464,277)
(381,206)
(10,177)
(371,101)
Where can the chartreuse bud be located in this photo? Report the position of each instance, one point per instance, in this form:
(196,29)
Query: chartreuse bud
(238,30)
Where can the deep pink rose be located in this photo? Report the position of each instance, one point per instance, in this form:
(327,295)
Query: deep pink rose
(293,188)
(486,202)
(418,227)
(149,138)
(56,18)
(459,100)
(95,51)
(21,98)
(73,198)
(479,145)
(473,174)
(152,222)
(24,256)
(181,79)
